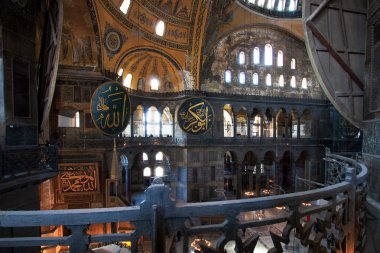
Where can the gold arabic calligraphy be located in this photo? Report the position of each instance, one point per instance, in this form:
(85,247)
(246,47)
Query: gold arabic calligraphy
(196,118)
(78,179)
(110,115)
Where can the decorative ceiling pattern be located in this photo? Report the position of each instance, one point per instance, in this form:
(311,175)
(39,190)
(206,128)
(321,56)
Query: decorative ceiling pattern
(179,9)
(147,64)
(142,16)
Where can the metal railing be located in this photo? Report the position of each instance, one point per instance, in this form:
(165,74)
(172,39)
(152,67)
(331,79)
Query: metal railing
(24,162)
(104,142)
(159,216)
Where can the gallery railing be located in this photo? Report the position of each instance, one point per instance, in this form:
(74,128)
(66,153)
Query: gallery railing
(336,208)
(270,96)
(104,141)
(18,163)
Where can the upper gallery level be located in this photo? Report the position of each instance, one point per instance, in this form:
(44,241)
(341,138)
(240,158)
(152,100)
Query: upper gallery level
(274,8)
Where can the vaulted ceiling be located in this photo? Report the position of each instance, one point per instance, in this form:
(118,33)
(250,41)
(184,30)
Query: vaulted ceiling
(99,36)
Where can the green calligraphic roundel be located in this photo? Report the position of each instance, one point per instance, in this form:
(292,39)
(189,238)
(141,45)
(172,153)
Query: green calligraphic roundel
(195,116)
(110,108)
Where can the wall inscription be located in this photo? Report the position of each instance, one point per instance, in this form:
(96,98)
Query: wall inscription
(78,177)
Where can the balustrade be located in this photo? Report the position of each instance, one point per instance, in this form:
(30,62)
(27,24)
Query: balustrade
(159,216)
(22,162)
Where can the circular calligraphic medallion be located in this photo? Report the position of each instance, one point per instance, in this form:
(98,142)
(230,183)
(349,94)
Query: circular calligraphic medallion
(195,116)
(110,108)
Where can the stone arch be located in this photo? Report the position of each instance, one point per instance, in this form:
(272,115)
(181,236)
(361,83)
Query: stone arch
(293,124)
(285,177)
(138,183)
(303,171)
(228,121)
(281,120)
(124,163)
(241,122)
(230,161)
(139,121)
(305,124)
(248,171)
(268,123)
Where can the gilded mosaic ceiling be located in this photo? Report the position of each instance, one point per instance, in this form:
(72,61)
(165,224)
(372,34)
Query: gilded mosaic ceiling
(180,9)
(146,64)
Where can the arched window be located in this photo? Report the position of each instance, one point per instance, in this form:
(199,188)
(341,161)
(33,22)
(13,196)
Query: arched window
(304,83)
(127,81)
(159,156)
(159,171)
(167,123)
(160,28)
(154,84)
(255,79)
(242,78)
(125,6)
(120,72)
(293,5)
(292,124)
(241,57)
(153,122)
(270,4)
(305,124)
(293,64)
(256,55)
(77,119)
(227,76)
(261,3)
(256,126)
(281,5)
(268,57)
(69,119)
(147,172)
(268,80)
(145,157)
(293,82)
(281,123)
(127,131)
(138,122)
(241,125)
(280,59)
(281,81)
(268,123)
(228,122)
